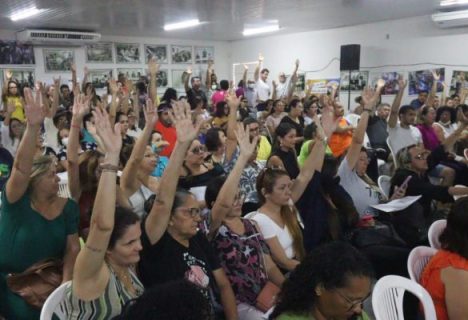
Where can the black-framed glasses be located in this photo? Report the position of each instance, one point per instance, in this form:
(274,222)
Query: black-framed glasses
(352,304)
(199,150)
(193,212)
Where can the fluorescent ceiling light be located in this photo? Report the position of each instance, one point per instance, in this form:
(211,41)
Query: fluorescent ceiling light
(445,3)
(182,25)
(25,13)
(259,30)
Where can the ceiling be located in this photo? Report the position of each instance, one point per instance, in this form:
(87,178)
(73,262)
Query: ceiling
(222,19)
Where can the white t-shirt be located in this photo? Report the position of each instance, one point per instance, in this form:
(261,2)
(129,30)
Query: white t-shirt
(353,120)
(263,90)
(7,143)
(402,137)
(282,89)
(363,194)
(270,229)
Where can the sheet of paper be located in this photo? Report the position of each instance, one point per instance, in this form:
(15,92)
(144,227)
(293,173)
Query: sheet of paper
(397,205)
(199,192)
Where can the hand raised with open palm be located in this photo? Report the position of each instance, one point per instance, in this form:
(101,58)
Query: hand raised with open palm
(246,146)
(80,106)
(181,117)
(34,108)
(110,136)
(151,116)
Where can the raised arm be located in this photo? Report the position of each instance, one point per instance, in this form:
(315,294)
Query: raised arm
(85,80)
(274,91)
(186,79)
(129,179)
(159,216)
(257,68)
(453,137)
(153,68)
(50,113)
(244,75)
(18,182)
(233,103)
(209,72)
(74,78)
(114,88)
(393,119)
(435,80)
(370,99)
(90,276)
(227,194)
(80,109)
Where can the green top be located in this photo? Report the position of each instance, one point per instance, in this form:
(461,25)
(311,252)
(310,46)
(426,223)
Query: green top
(26,237)
(289,316)
(305,152)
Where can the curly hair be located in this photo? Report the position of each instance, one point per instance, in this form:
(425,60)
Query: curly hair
(175,300)
(330,266)
(454,238)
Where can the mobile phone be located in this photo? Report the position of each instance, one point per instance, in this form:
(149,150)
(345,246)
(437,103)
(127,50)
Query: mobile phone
(404,184)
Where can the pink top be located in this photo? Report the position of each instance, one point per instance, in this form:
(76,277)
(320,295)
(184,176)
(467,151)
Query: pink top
(218,96)
(429,137)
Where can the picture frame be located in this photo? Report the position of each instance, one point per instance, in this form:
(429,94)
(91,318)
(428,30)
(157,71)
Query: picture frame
(58,60)
(421,80)
(133,74)
(181,54)
(391,81)
(156,50)
(14,52)
(162,78)
(99,77)
(176,77)
(357,82)
(459,81)
(127,53)
(24,76)
(203,54)
(101,52)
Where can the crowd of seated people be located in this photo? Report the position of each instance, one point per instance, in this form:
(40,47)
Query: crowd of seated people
(224,195)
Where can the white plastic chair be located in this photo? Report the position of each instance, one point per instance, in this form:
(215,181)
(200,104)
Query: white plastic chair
(392,152)
(435,230)
(52,304)
(384,184)
(417,261)
(387,298)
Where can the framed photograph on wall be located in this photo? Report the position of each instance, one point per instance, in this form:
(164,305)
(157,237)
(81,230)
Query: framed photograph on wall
(177,82)
(14,52)
(391,81)
(133,74)
(25,77)
(156,50)
(99,77)
(58,60)
(422,81)
(162,78)
(357,82)
(99,53)
(128,52)
(204,54)
(181,54)
(459,81)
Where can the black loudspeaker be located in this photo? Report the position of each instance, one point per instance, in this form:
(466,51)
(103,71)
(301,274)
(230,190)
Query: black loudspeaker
(350,57)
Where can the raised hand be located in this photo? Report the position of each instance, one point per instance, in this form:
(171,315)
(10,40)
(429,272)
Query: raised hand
(260,57)
(380,83)
(274,84)
(232,100)
(34,108)
(57,83)
(210,64)
(247,148)
(151,116)
(402,84)
(80,106)
(435,75)
(367,95)
(110,137)
(181,117)
(85,71)
(8,74)
(246,67)
(73,67)
(113,86)
(189,71)
(153,66)
(296,64)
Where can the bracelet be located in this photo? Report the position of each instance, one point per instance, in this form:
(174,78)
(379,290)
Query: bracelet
(75,126)
(368,110)
(107,167)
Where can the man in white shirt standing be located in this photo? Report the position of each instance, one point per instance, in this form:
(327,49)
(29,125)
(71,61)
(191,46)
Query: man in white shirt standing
(260,77)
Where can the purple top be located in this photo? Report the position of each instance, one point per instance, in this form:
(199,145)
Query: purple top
(429,137)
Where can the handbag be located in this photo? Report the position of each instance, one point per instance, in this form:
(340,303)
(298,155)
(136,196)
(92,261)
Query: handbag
(37,282)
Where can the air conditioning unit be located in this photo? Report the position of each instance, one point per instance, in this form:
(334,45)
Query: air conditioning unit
(451,19)
(54,37)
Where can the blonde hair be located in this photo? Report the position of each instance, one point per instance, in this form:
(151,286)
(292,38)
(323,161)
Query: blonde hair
(41,165)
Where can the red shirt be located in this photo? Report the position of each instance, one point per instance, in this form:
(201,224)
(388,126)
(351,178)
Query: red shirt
(169,134)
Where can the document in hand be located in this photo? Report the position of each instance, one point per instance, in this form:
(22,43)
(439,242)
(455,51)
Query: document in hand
(397,205)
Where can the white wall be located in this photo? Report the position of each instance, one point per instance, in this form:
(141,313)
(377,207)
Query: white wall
(398,42)
(221,51)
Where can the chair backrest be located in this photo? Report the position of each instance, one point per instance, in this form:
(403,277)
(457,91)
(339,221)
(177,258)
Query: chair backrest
(392,152)
(417,261)
(435,230)
(52,304)
(387,298)
(384,183)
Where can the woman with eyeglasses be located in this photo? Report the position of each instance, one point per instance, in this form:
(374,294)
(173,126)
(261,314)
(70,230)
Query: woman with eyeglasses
(332,282)
(11,96)
(11,130)
(173,248)
(241,249)
(136,183)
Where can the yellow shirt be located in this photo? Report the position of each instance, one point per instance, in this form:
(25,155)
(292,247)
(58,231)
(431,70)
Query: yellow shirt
(264,149)
(19,109)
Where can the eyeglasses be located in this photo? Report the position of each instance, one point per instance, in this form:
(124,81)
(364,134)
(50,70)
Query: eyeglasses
(15,87)
(192,212)
(254,129)
(199,150)
(352,304)
(422,156)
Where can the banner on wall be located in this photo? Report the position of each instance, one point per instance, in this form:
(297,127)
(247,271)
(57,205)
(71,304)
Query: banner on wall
(13,52)
(422,80)
(391,81)
(459,81)
(321,86)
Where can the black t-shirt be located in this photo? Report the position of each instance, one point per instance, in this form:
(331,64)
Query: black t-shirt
(289,160)
(299,129)
(191,94)
(168,260)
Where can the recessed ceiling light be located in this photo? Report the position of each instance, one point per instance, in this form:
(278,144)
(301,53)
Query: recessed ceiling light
(259,30)
(181,25)
(25,13)
(445,3)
